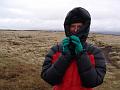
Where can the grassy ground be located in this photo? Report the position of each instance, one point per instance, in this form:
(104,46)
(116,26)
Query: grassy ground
(22,54)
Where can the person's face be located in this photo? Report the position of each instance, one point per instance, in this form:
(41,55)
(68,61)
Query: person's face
(75,27)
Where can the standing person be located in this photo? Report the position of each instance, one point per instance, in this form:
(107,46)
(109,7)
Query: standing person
(74,64)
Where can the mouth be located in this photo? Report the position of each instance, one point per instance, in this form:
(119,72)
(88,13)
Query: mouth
(74,32)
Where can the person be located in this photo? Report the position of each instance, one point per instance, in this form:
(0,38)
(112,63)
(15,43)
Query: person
(74,64)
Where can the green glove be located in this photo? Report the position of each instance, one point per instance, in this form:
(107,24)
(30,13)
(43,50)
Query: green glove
(78,46)
(65,43)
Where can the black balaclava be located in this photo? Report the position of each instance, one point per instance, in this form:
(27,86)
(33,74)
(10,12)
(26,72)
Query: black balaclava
(76,15)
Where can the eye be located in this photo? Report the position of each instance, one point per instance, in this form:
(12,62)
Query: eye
(72,26)
(78,26)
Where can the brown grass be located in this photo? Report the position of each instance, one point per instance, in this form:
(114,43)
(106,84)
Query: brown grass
(22,55)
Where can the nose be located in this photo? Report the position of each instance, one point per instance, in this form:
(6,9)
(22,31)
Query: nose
(76,28)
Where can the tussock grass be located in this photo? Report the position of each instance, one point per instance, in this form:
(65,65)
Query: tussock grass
(22,54)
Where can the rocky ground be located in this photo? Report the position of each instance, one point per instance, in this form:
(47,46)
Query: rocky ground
(22,54)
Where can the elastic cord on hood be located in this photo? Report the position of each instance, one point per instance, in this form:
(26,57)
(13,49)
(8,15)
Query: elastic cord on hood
(83,16)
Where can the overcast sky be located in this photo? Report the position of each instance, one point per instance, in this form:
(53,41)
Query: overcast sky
(50,14)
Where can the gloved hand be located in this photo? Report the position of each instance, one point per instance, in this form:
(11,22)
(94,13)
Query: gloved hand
(78,46)
(65,43)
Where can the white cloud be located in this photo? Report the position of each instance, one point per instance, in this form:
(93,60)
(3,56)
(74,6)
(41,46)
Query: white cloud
(18,11)
(50,14)
(18,20)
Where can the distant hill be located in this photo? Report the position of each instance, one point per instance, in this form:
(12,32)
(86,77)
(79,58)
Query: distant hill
(97,31)
(107,32)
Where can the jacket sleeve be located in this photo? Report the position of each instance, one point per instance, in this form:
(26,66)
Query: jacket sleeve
(53,73)
(91,76)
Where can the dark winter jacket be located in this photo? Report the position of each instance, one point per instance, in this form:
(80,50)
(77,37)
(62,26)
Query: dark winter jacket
(91,72)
